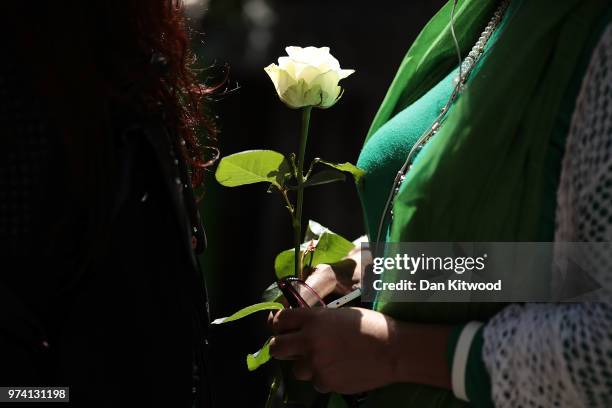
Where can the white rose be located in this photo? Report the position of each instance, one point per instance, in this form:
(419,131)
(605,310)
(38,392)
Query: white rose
(308,77)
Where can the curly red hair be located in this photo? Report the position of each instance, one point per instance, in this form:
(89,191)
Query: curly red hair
(177,88)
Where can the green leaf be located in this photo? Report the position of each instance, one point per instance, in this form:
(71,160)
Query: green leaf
(259,358)
(272,293)
(347,168)
(250,310)
(330,248)
(253,166)
(284,263)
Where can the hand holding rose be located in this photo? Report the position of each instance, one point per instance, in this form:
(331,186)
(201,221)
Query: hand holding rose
(351,350)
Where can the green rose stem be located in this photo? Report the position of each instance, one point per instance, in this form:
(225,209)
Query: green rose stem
(297,219)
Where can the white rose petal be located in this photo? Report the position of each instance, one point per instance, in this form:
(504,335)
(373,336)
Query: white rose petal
(308,77)
(345,73)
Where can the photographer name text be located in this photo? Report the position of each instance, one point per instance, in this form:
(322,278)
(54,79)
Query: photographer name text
(427,285)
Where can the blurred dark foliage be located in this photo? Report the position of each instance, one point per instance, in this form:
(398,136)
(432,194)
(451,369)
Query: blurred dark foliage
(247,227)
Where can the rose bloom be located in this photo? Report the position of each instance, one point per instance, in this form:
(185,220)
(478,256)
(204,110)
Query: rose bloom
(308,77)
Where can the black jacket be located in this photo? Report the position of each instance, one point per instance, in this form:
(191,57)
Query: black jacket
(130,328)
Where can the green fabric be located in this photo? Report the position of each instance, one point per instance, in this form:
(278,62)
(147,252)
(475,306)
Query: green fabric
(385,151)
(383,155)
(477,381)
(498,196)
(499,154)
(433,55)
(482,177)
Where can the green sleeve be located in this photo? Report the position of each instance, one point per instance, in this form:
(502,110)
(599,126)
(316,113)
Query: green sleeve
(477,380)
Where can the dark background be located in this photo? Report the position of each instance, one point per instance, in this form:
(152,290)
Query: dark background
(247,227)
